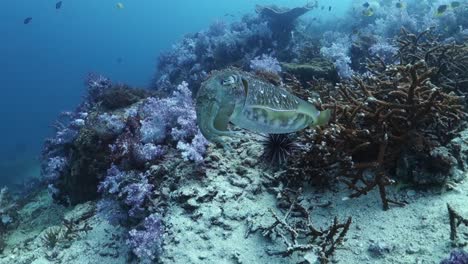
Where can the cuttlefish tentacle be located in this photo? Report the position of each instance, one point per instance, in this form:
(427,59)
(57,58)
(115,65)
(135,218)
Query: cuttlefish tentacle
(214,125)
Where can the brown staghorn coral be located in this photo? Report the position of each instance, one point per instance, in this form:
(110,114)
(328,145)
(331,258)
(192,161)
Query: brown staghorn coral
(449,59)
(377,119)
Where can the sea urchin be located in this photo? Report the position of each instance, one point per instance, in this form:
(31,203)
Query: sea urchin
(277,148)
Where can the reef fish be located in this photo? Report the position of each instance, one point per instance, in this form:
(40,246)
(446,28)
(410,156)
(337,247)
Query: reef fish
(58,5)
(237,97)
(399,5)
(441,9)
(119,6)
(27,20)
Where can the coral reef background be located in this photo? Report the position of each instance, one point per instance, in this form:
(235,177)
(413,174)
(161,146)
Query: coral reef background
(44,63)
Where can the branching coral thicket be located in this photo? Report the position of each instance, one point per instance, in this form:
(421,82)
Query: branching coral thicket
(397,108)
(449,60)
(373,29)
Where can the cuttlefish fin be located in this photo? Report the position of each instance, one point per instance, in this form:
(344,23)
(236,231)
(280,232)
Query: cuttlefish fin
(323,118)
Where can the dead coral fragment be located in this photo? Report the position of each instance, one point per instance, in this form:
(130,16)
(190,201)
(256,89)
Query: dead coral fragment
(298,233)
(455,221)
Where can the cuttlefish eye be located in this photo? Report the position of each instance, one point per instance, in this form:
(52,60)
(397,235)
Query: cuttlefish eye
(232,79)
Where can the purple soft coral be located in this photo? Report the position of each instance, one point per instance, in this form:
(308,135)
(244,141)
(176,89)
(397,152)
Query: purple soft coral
(178,113)
(338,52)
(456,257)
(266,63)
(195,150)
(133,188)
(52,169)
(96,85)
(146,244)
(136,194)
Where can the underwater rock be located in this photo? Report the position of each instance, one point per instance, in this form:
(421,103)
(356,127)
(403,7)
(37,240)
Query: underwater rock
(119,96)
(316,68)
(442,164)
(8,212)
(89,160)
(281,19)
(379,249)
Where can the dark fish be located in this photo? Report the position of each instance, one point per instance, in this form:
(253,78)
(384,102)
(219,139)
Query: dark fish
(329,8)
(27,20)
(455,4)
(366,5)
(399,5)
(441,9)
(58,5)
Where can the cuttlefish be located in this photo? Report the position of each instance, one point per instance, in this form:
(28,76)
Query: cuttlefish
(238,97)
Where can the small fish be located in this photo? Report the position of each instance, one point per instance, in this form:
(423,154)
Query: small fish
(455,4)
(27,20)
(399,5)
(322,8)
(120,5)
(441,9)
(368,12)
(58,5)
(366,5)
(329,8)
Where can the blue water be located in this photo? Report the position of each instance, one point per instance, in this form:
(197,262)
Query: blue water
(43,64)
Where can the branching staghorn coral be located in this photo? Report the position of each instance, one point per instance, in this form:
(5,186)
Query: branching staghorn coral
(377,118)
(449,59)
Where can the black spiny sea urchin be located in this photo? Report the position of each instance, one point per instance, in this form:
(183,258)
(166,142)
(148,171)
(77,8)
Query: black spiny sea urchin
(277,148)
